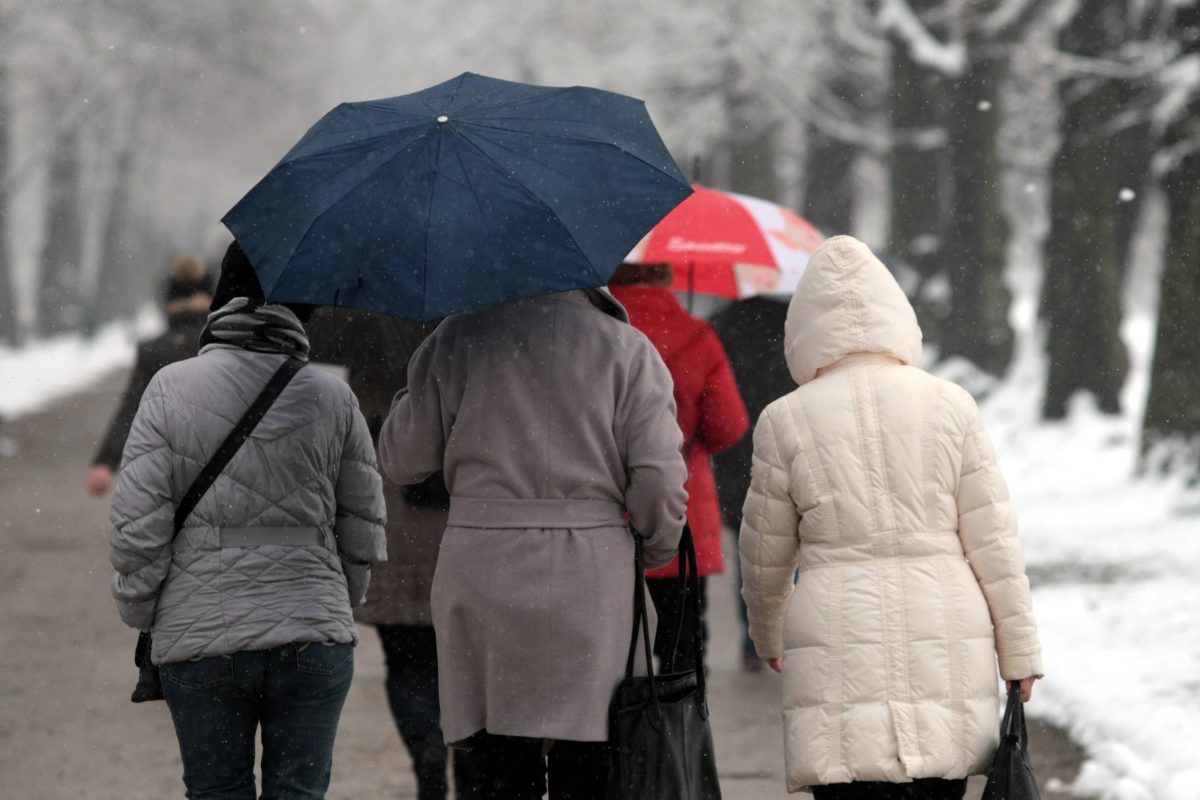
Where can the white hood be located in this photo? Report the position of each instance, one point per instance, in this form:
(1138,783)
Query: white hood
(847,303)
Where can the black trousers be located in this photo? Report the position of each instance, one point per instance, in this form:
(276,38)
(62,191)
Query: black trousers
(412,690)
(513,768)
(921,789)
(664,593)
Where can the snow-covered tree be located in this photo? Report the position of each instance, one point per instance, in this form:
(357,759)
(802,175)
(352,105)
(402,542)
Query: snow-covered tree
(1109,52)
(1173,406)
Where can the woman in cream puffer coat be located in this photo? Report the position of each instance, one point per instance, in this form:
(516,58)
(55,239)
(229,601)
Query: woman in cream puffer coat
(878,483)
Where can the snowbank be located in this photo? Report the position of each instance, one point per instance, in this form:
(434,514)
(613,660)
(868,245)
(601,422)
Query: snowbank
(1115,566)
(32,377)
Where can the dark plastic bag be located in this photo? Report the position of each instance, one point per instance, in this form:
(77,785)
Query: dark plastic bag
(1011,773)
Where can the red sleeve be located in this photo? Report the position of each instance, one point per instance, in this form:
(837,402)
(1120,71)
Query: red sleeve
(722,419)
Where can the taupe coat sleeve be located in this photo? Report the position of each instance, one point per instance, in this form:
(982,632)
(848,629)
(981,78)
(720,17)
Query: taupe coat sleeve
(412,442)
(646,426)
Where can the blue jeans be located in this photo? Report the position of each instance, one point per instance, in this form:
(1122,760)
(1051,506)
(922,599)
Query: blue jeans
(294,692)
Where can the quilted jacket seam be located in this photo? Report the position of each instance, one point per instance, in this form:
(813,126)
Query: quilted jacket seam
(762,525)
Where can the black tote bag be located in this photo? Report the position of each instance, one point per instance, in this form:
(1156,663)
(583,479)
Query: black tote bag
(1011,774)
(659,735)
(149,683)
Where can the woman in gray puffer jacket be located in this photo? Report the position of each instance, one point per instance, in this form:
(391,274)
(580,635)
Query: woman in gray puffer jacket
(250,605)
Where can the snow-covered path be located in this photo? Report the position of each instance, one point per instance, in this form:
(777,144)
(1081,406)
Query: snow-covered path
(1114,562)
(68,730)
(1115,566)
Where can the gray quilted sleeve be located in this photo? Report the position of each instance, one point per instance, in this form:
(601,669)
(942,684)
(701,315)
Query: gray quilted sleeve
(142,514)
(361,541)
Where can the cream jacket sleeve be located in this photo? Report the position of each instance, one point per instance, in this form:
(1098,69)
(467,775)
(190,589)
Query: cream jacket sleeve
(769,542)
(987,527)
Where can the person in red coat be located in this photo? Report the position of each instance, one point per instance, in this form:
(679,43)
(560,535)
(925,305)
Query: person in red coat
(711,415)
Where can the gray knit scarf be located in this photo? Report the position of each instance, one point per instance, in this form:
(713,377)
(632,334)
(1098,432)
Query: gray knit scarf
(257,326)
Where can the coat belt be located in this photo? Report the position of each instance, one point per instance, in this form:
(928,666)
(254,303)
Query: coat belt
(479,512)
(282,535)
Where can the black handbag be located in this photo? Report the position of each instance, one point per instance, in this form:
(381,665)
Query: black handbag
(149,684)
(1011,774)
(659,736)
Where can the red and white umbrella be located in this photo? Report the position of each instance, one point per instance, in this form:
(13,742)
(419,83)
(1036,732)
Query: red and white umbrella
(730,245)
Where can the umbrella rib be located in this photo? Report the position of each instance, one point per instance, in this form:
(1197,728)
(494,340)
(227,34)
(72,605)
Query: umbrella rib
(357,143)
(573,139)
(428,218)
(453,94)
(535,196)
(329,207)
(470,185)
(513,104)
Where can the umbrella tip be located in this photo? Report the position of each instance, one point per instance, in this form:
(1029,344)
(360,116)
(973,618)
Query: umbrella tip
(443,118)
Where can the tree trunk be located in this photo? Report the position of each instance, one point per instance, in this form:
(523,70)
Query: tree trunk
(918,213)
(753,154)
(60,302)
(1091,222)
(1081,293)
(1172,410)
(973,254)
(8,323)
(112,297)
(829,183)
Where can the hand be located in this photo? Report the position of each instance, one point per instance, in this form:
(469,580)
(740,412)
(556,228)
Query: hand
(99,480)
(1026,688)
(775,664)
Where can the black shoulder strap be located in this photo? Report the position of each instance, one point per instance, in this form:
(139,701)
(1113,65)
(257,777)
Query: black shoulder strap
(240,433)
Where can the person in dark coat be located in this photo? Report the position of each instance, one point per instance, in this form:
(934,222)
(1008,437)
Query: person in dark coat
(189,292)
(711,416)
(375,351)
(752,332)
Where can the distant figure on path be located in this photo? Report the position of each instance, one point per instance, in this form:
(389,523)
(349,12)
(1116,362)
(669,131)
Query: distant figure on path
(189,292)
(375,350)
(551,418)
(250,605)
(752,332)
(879,483)
(711,416)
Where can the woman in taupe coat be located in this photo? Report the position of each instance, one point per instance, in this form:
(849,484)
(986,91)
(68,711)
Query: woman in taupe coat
(552,419)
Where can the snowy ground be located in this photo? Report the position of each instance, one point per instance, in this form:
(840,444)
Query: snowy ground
(32,377)
(1115,562)
(1115,565)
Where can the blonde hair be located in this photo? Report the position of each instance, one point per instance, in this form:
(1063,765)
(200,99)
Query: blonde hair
(188,269)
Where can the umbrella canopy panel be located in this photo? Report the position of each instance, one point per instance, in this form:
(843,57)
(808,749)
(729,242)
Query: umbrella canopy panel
(731,245)
(466,194)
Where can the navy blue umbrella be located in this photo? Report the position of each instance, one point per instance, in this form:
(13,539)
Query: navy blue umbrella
(469,193)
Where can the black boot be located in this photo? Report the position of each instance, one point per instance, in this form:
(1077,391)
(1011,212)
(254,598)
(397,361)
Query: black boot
(430,768)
